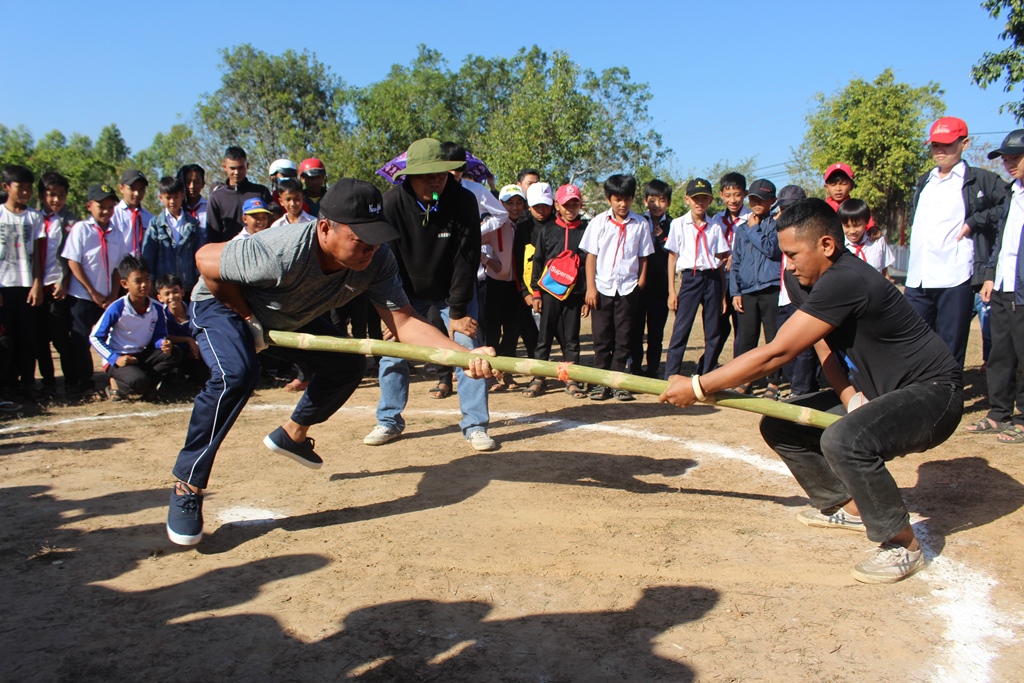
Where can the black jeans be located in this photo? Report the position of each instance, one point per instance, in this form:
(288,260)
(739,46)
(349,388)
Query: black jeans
(701,289)
(847,460)
(948,311)
(151,366)
(611,323)
(802,371)
(1006,355)
(19,320)
(503,303)
(760,309)
(561,320)
(652,315)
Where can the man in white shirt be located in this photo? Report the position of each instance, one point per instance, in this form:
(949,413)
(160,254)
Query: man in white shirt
(951,202)
(1004,289)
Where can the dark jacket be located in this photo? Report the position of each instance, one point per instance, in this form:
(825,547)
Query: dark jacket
(526,229)
(993,261)
(656,287)
(165,257)
(224,209)
(549,242)
(439,260)
(984,193)
(756,258)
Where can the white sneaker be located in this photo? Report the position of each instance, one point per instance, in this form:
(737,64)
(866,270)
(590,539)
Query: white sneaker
(840,519)
(480,441)
(889,563)
(380,435)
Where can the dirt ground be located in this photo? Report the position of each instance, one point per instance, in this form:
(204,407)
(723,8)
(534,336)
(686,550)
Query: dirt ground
(601,542)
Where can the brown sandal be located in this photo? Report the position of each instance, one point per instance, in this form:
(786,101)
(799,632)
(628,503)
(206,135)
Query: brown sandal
(441,390)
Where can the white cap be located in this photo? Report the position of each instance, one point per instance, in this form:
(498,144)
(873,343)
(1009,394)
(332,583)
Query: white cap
(540,193)
(509,191)
(282,164)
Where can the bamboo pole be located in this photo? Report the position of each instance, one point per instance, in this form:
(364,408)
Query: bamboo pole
(528,366)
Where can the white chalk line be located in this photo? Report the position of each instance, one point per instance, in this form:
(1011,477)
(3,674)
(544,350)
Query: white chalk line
(975,628)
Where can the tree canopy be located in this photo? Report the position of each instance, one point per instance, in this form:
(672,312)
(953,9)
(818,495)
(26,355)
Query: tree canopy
(1007,64)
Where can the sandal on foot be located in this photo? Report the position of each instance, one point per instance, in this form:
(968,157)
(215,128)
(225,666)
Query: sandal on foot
(772,393)
(987,424)
(743,389)
(494,386)
(575,389)
(441,390)
(535,388)
(114,395)
(1012,435)
(599,393)
(623,395)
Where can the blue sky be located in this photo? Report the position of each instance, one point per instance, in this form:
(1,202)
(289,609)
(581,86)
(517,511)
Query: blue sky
(729,79)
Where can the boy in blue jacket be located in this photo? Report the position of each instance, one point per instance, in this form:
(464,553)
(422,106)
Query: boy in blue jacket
(131,336)
(754,276)
(173,237)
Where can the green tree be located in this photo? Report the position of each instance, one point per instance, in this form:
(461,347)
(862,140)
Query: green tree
(15,145)
(876,128)
(111,147)
(1007,64)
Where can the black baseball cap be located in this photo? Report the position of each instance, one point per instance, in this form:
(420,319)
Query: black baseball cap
(131,175)
(762,189)
(360,206)
(790,195)
(1013,144)
(698,186)
(99,192)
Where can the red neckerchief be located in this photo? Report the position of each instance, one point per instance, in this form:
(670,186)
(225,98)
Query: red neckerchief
(138,232)
(729,226)
(194,209)
(620,242)
(859,250)
(696,244)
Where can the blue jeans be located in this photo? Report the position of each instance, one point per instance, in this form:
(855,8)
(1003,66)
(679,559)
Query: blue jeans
(394,382)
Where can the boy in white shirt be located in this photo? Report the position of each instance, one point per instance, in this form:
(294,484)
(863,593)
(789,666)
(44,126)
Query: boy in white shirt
(193,179)
(129,218)
(617,243)
(21,286)
(956,212)
(291,199)
(732,190)
(697,250)
(93,249)
(855,217)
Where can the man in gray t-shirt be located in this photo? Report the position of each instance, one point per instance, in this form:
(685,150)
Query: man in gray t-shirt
(286,278)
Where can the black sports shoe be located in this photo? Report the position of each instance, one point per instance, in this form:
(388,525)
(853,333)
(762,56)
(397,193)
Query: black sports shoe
(302,453)
(185,517)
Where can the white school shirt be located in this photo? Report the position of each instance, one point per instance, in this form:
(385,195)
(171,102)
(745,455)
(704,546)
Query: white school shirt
(283,220)
(691,251)
(121,221)
(174,224)
(487,204)
(1006,266)
(936,258)
(52,228)
(784,299)
(199,213)
(876,254)
(18,235)
(85,246)
(618,251)
(721,219)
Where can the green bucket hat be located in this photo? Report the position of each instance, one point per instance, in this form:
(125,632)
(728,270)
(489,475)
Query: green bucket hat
(425,156)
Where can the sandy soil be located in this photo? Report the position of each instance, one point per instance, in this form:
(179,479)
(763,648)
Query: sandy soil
(602,542)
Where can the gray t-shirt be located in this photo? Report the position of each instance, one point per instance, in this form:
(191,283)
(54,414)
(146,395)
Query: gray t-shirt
(284,286)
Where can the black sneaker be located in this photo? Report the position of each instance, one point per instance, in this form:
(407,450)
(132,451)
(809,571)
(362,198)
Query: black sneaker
(302,453)
(185,517)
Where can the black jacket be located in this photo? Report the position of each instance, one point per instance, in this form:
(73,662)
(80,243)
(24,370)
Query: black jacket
(984,193)
(224,209)
(439,260)
(990,270)
(549,242)
(656,288)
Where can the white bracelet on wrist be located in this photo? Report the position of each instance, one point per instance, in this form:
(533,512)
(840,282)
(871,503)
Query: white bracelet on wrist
(698,391)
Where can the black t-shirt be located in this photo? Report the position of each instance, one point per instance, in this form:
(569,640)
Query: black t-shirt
(887,346)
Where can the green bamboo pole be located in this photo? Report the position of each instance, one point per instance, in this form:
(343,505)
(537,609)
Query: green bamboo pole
(528,366)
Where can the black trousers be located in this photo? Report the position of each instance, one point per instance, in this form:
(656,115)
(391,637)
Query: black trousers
(652,314)
(1005,389)
(802,371)
(150,367)
(702,289)
(948,311)
(847,460)
(53,326)
(559,319)
(760,309)
(503,301)
(84,315)
(611,326)
(19,320)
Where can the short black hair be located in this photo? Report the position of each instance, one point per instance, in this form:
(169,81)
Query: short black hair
(658,188)
(235,154)
(854,210)
(289,185)
(732,179)
(51,179)
(813,218)
(168,280)
(453,151)
(619,185)
(525,172)
(170,185)
(16,173)
(131,264)
(189,168)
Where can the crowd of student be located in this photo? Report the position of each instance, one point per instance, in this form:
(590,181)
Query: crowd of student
(88,284)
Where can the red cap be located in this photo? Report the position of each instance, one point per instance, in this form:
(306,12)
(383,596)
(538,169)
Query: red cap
(838,167)
(567,192)
(947,129)
(312,166)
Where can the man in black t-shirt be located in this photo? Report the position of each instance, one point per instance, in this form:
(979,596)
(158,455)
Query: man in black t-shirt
(882,360)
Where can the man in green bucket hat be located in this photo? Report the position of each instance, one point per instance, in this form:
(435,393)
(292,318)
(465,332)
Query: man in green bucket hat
(438,253)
